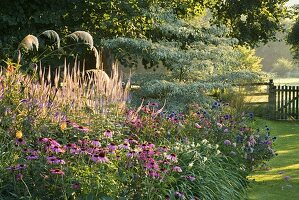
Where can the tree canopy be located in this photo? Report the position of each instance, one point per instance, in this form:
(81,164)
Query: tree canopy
(113,18)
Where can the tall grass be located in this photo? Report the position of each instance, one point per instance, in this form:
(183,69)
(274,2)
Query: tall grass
(71,90)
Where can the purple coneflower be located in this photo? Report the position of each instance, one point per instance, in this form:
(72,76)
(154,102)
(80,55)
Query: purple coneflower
(124,146)
(75,150)
(151,145)
(57,171)
(32,157)
(112,147)
(131,141)
(154,174)
(152,165)
(20,141)
(172,157)
(143,146)
(54,143)
(132,154)
(100,157)
(43,140)
(163,149)
(82,128)
(56,149)
(95,143)
(177,169)
(17,167)
(108,134)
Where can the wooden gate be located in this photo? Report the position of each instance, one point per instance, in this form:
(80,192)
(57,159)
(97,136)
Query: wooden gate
(283,102)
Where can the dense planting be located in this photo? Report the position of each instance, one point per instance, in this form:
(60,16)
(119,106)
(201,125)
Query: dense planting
(62,148)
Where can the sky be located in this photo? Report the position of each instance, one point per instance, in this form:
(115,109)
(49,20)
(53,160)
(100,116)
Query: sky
(292,2)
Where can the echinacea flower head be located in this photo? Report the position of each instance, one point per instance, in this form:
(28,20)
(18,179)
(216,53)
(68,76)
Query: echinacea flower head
(172,157)
(19,134)
(57,171)
(82,128)
(108,134)
(44,140)
(17,167)
(132,154)
(112,147)
(32,157)
(177,169)
(162,149)
(99,158)
(154,174)
(152,165)
(57,149)
(124,145)
(20,141)
(95,143)
(55,160)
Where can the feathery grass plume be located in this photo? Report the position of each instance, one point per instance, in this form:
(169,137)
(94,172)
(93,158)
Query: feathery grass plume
(74,91)
(28,42)
(52,35)
(82,35)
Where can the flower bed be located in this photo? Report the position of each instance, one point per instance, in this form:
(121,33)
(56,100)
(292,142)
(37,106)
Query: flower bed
(59,149)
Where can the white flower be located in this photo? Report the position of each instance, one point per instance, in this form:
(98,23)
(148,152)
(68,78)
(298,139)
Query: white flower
(243,18)
(204,141)
(191,164)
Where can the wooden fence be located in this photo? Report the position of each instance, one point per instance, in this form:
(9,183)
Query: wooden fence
(282,102)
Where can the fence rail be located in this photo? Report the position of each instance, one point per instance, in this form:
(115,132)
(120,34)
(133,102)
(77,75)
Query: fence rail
(283,101)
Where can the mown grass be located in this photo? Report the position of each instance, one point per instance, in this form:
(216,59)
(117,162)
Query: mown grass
(281,181)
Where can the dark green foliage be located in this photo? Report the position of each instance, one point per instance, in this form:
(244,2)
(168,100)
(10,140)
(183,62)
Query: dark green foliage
(113,18)
(251,21)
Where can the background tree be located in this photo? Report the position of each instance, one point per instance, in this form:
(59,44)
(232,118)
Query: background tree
(293,37)
(113,18)
(250,21)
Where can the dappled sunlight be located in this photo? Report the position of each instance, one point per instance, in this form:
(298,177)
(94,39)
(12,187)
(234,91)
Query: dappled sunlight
(289,167)
(283,152)
(265,177)
(289,135)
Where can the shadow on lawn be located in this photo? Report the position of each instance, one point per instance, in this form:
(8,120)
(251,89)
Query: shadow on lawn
(281,181)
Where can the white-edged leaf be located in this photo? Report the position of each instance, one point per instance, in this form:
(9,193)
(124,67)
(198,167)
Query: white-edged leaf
(28,42)
(82,35)
(52,35)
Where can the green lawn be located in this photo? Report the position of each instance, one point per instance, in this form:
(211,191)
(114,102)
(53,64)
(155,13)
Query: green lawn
(271,184)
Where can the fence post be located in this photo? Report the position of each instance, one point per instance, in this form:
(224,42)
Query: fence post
(272,100)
